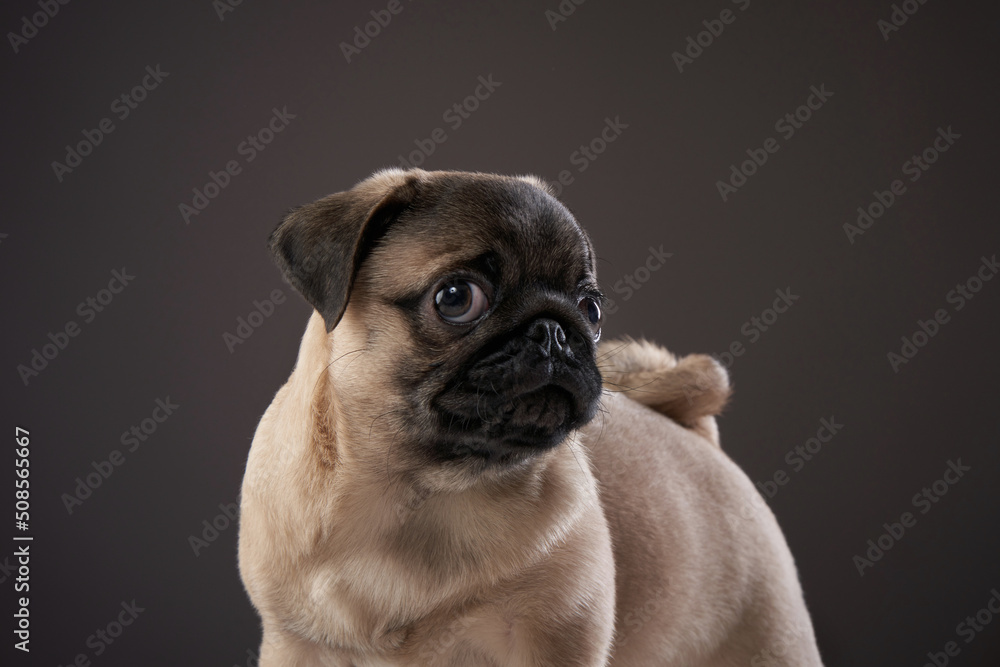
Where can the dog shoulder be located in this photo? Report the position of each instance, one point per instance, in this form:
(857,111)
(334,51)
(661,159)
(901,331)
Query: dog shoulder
(691,390)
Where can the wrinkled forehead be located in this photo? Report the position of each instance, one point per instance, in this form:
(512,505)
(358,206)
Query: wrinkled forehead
(510,226)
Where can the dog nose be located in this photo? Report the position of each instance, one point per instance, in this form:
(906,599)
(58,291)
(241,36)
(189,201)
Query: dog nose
(548,334)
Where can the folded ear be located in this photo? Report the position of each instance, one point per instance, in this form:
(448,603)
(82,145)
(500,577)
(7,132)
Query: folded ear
(319,247)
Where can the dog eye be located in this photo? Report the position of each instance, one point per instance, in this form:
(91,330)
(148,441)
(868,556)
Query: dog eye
(461,301)
(592,312)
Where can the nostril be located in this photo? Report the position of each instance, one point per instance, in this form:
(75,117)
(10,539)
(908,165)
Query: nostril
(539,333)
(560,336)
(548,334)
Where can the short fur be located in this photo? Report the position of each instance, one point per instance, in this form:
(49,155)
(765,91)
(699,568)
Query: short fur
(364,541)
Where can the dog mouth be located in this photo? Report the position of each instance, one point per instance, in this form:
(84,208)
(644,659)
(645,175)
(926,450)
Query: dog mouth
(529,423)
(503,427)
(538,412)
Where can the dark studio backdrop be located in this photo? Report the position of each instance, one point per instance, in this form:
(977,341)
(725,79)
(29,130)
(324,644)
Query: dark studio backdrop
(146,328)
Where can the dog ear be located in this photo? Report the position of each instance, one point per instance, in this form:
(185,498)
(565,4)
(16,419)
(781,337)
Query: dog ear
(319,247)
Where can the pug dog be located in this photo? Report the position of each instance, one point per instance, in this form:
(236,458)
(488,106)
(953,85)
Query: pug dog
(457,473)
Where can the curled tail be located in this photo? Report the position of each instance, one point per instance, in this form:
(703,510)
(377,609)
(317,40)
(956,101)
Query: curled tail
(690,390)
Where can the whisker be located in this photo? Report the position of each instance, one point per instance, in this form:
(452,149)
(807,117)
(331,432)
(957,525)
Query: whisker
(388,455)
(624,388)
(613,352)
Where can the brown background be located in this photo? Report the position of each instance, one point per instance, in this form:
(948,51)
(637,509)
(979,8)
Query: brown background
(654,185)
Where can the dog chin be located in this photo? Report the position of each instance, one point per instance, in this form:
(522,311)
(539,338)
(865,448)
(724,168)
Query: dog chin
(512,431)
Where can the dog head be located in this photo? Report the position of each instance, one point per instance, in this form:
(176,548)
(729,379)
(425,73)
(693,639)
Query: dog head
(462,313)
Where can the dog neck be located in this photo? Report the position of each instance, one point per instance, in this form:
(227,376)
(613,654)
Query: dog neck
(389,548)
(425,517)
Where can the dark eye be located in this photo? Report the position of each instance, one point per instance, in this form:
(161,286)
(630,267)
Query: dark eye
(461,301)
(592,312)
